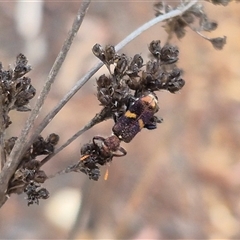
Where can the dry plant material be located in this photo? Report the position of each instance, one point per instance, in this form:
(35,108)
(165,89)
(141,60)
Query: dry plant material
(194,18)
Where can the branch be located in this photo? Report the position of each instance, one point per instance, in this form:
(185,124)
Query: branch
(2,132)
(21,143)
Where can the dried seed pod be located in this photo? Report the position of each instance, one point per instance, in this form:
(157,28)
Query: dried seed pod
(99,52)
(110,54)
(174,82)
(9,144)
(169,54)
(52,139)
(103,81)
(218,42)
(34,193)
(135,65)
(40,176)
(21,67)
(155,49)
(107,56)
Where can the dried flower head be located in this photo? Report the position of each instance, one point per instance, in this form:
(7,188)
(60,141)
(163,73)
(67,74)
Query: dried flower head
(35,192)
(194,18)
(28,177)
(16,89)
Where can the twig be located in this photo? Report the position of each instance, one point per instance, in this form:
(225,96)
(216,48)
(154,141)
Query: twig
(2,147)
(21,143)
(2,132)
(97,119)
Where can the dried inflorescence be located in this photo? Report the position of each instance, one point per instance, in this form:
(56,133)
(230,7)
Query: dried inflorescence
(127,95)
(131,78)
(16,89)
(195,18)
(35,192)
(28,173)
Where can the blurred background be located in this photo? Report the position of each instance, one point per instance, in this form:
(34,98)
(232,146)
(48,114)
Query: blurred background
(180,181)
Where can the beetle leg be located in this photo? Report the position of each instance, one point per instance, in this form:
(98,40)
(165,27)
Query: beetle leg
(121,152)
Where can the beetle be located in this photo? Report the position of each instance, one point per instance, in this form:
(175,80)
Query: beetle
(139,115)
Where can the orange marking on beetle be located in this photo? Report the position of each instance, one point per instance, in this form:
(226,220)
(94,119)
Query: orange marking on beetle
(129,114)
(140,123)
